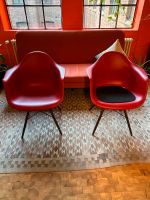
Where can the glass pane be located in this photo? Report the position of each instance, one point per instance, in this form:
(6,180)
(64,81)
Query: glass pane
(52,2)
(33,2)
(92,2)
(17,22)
(35,17)
(110,2)
(128,2)
(91,16)
(52,17)
(108,18)
(14,2)
(117,2)
(126,16)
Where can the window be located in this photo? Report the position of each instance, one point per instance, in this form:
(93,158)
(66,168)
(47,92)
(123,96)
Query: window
(109,13)
(34,14)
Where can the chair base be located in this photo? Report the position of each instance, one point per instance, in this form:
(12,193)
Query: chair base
(27,117)
(100,116)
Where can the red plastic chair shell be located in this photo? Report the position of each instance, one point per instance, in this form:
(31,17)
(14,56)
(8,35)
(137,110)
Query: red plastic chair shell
(37,83)
(115,69)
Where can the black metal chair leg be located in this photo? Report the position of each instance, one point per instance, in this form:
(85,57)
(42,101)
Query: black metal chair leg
(25,124)
(55,121)
(126,116)
(91,107)
(59,108)
(100,116)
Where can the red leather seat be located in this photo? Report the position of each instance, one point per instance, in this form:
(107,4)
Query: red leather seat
(36,84)
(114,69)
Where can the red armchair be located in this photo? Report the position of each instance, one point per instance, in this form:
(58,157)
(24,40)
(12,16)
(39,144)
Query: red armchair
(36,84)
(117,83)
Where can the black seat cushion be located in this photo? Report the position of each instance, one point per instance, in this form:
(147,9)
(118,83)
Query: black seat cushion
(114,94)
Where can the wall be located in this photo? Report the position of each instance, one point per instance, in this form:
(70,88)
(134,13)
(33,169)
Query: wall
(72,12)
(72,19)
(143,36)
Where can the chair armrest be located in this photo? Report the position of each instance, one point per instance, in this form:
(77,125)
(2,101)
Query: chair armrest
(9,83)
(141,72)
(89,71)
(141,80)
(9,73)
(62,71)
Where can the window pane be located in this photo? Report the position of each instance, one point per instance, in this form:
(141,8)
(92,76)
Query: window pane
(14,2)
(33,2)
(52,17)
(128,1)
(113,13)
(35,17)
(92,2)
(108,19)
(117,2)
(52,2)
(110,2)
(91,16)
(126,16)
(17,22)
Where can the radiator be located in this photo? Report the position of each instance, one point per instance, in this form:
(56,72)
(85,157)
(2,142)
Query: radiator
(13,42)
(127,46)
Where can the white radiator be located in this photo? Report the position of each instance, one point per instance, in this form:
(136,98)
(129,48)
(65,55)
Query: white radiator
(127,46)
(13,42)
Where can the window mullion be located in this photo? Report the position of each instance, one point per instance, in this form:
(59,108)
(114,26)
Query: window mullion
(25,13)
(118,7)
(43,14)
(100,14)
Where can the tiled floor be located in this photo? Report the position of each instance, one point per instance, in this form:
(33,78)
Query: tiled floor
(130,182)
